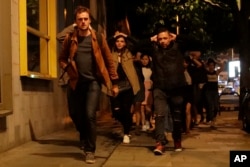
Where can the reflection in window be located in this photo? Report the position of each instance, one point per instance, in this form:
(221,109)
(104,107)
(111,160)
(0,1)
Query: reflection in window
(33,13)
(37,35)
(33,52)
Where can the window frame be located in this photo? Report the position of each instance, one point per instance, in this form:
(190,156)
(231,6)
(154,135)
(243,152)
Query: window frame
(48,59)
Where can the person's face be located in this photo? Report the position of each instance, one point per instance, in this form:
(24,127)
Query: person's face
(145,60)
(164,39)
(120,43)
(83,21)
(211,67)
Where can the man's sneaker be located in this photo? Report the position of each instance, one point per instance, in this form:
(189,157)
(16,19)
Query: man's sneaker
(177,146)
(159,149)
(126,139)
(90,158)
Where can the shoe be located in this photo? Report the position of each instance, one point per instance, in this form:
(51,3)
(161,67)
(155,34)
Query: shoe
(212,124)
(159,149)
(177,146)
(147,125)
(82,145)
(144,128)
(90,158)
(126,139)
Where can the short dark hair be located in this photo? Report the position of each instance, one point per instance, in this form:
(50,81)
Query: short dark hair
(81,9)
(210,60)
(162,29)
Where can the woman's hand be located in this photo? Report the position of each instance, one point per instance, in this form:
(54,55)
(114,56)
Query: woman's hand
(115,90)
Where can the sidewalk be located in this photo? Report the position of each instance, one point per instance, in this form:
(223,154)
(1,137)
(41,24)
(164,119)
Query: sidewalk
(61,149)
(204,147)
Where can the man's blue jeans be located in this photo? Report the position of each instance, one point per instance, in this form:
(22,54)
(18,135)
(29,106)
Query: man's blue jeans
(83,103)
(162,100)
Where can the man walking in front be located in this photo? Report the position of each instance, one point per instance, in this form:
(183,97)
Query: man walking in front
(169,81)
(88,65)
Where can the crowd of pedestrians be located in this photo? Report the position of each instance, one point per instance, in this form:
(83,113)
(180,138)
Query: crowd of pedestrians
(162,81)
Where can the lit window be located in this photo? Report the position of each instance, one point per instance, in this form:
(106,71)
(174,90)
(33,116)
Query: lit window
(38,39)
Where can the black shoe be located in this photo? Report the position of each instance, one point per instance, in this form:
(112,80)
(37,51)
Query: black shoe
(81,145)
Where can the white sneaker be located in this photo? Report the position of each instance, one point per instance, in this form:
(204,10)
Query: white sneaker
(126,139)
(147,125)
(144,128)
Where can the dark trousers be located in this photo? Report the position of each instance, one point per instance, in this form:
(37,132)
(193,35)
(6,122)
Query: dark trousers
(212,99)
(83,103)
(161,103)
(199,100)
(121,109)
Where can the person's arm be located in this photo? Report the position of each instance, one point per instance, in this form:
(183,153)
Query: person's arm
(197,62)
(108,60)
(63,57)
(61,35)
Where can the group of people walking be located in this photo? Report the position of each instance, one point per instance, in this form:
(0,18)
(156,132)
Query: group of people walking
(155,81)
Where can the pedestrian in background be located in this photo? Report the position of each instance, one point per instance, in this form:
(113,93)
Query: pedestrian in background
(128,84)
(146,105)
(188,95)
(211,91)
(88,65)
(197,71)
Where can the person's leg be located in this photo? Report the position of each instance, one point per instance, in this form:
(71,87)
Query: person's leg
(92,102)
(176,107)
(72,106)
(215,107)
(160,109)
(210,105)
(195,105)
(143,118)
(188,116)
(137,112)
(168,120)
(76,105)
(126,116)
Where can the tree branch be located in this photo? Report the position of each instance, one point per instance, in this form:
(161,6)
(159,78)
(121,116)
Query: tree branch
(212,3)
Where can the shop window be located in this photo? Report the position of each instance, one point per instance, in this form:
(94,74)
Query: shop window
(38,39)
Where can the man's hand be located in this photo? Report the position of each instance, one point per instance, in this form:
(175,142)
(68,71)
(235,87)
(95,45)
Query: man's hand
(115,90)
(173,36)
(153,38)
(117,33)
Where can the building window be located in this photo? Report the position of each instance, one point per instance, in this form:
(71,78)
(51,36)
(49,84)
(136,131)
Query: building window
(38,39)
